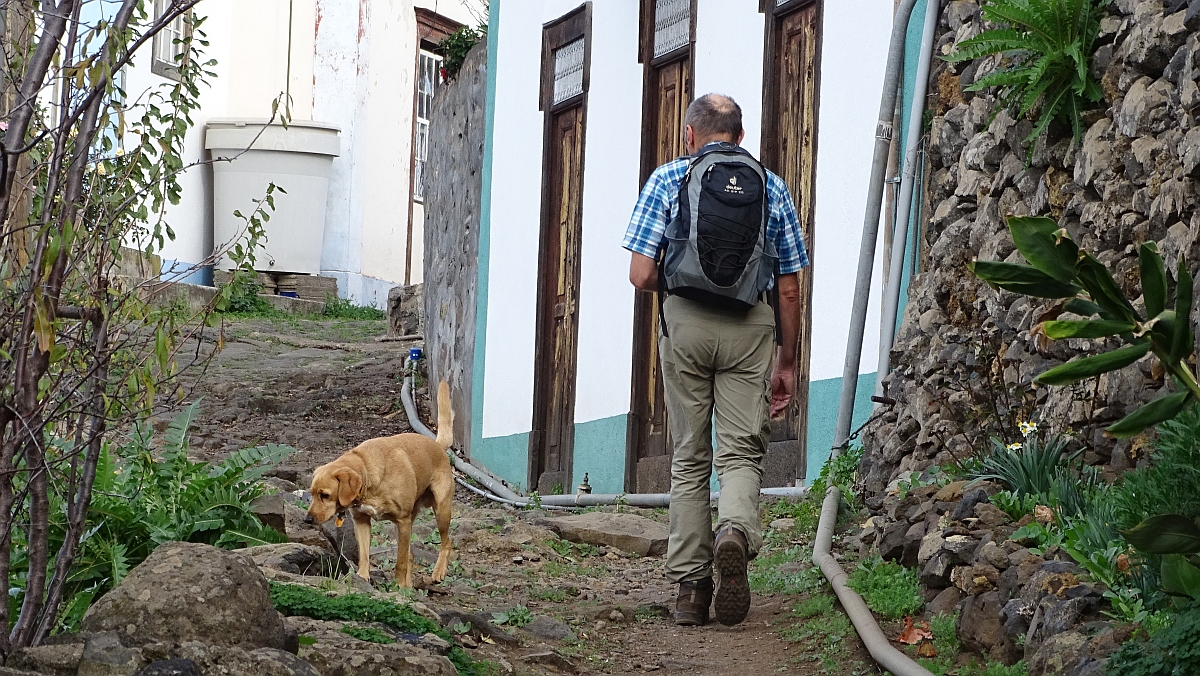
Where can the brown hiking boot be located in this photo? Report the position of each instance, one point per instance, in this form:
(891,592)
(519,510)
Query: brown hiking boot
(733,587)
(691,606)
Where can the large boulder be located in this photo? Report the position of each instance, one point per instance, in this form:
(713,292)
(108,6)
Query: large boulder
(627,532)
(191,592)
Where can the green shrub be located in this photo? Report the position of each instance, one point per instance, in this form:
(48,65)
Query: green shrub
(368,634)
(1013,505)
(1027,469)
(517,616)
(1048,47)
(890,590)
(1173,651)
(299,600)
(141,501)
(456,47)
(244,298)
(1170,484)
(842,472)
(343,308)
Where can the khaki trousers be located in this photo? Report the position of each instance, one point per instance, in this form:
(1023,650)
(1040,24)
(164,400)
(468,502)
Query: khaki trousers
(716,369)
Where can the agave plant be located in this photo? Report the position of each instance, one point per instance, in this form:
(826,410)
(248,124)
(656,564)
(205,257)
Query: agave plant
(1059,269)
(1048,45)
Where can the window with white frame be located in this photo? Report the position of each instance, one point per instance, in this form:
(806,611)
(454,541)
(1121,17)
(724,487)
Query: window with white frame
(169,44)
(429,67)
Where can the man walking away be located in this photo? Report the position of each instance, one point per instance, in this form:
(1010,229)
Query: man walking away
(718,236)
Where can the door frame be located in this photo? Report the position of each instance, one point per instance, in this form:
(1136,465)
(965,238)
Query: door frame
(567,28)
(642,319)
(776,12)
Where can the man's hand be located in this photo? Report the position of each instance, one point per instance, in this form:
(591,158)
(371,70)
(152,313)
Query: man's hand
(783,386)
(643,272)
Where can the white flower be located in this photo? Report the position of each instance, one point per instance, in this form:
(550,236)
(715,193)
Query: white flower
(1014,447)
(1027,428)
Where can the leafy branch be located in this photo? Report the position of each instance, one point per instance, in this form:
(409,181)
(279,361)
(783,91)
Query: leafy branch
(1058,269)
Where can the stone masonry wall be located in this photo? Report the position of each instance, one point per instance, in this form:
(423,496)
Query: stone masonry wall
(1132,179)
(454,180)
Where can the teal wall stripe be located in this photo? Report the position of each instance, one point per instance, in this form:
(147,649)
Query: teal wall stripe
(823,396)
(507,457)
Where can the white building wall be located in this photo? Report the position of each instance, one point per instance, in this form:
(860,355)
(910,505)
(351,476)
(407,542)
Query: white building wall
(728,59)
(249,42)
(853,58)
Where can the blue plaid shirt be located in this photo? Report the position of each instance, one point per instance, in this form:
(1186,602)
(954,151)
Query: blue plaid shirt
(658,205)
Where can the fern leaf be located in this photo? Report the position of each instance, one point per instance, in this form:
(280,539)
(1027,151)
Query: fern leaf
(119,561)
(176,439)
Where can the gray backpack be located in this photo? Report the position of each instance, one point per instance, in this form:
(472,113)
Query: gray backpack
(717,248)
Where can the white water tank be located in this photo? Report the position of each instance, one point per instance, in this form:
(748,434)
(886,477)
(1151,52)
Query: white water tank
(250,154)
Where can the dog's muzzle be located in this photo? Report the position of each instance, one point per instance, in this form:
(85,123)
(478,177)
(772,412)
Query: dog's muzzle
(308,518)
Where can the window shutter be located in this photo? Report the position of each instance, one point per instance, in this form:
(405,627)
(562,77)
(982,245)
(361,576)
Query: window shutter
(672,25)
(568,71)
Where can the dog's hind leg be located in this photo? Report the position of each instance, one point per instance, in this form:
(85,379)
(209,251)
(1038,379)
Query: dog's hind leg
(443,499)
(404,551)
(362,533)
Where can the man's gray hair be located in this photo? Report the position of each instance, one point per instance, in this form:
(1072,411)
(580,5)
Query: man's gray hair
(715,115)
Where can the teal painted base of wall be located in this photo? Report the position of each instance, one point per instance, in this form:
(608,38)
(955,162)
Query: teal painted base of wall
(505,457)
(599,451)
(823,396)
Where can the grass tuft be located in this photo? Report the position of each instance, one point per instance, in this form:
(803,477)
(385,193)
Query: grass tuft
(890,590)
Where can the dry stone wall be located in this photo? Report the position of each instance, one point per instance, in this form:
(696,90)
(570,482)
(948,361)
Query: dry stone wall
(454,183)
(965,353)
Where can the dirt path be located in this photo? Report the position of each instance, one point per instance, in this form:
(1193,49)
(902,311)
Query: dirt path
(324,386)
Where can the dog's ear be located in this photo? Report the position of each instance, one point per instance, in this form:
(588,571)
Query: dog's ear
(350,484)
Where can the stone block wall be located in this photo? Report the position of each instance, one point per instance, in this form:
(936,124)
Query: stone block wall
(965,353)
(454,182)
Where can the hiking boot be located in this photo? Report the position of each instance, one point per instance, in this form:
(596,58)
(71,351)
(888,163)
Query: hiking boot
(733,587)
(691,606)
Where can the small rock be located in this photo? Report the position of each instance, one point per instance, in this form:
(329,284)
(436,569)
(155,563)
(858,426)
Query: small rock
(783,524)
(966,508)
(990,516)
(961,548)
(436,642)
(600,625)
(468,641)
(550,659)
(550,628)
(992,555)
(170,668)
(981,631)
(945,602)
(950,492)
(296,558)
(518,560)
(616,617)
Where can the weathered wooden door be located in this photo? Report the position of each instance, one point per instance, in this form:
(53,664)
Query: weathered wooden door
(668,91)
(556,354)
(559,303)
(790,150)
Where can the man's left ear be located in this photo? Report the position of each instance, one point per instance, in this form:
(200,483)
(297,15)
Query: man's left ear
(741,136)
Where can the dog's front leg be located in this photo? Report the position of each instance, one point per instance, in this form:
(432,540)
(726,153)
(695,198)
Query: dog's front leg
(404,552)
(362,533)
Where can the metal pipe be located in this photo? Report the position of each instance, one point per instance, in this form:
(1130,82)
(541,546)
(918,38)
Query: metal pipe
(866,258)
(856,609)
(490,482)
(653,499)
(864,622)
(494,498)
(916,119)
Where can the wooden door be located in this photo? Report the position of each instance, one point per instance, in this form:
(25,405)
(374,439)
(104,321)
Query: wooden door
(558,305)
(649,463)
(790,150)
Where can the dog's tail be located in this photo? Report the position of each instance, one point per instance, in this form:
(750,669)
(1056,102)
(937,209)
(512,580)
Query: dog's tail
(445,433)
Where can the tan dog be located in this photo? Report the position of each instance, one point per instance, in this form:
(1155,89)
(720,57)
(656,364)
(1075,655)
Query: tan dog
(392,478)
